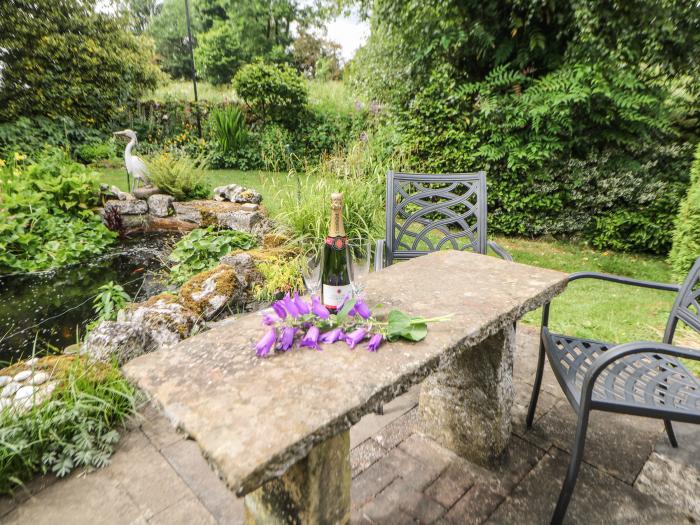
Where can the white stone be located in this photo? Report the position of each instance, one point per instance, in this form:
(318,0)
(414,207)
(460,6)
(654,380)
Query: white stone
(160,205)
(50,387)
(10,389)
(32,362)
(39,378)
(24,392)
(5,380)
(23,375)
(5,402)
(128,207)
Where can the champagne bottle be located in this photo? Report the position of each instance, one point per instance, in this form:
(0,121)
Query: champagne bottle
(335,276)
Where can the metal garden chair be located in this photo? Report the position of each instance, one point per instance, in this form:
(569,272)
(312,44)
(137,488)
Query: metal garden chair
(640,378)
(421,207)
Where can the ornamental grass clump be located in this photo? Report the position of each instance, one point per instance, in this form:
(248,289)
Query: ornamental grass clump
(686,235)
(309,324)
(75,427)
(179,176)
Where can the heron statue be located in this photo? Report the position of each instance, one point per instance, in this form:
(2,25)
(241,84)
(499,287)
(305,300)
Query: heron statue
(135,167)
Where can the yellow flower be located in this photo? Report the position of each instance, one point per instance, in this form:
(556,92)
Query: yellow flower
(19,157)
(2,163)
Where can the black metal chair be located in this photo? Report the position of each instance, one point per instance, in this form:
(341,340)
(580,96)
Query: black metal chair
(640,378)
(452,205)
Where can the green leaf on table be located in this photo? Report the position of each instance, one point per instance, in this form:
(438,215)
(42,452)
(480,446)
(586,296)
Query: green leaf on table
(417,332)
(402,326)
(345,311)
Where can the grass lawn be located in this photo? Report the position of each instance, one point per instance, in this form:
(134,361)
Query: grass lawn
(592,309)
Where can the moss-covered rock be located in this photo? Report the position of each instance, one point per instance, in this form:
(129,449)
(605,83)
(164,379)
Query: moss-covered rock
(163,318)
(208,292)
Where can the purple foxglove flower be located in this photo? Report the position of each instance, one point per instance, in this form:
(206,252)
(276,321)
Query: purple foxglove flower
(318,309)
(302,307)
(287,338)
(269,319)
(266,343)
(361,309)
(290,306)
(279,309)
(355,337)
(311,338)
(374,342)
(332,336)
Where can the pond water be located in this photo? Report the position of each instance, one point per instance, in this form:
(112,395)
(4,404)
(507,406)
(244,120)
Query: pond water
(50,310)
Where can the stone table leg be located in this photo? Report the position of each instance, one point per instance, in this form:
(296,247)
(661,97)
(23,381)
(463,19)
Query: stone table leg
(466,405)
(316,490)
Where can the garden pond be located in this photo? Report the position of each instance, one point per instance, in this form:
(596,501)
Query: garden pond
(45,312)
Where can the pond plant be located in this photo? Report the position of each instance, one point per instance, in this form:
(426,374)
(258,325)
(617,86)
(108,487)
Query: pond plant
(46,216)
(201,250)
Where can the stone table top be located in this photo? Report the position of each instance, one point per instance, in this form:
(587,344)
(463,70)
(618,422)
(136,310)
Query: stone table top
(254,418)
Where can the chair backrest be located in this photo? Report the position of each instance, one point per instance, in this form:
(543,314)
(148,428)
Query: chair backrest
(687,305)
(425,212)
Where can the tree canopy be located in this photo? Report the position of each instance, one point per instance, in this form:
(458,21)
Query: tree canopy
(62,57)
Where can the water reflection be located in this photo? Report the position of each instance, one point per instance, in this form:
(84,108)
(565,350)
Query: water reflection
(53,308)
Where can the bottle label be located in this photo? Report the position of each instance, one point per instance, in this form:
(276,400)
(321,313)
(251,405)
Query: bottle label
(337,243)
(333,296)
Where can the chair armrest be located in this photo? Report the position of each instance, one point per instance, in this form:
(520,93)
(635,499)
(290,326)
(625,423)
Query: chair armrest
(379,253)
(501,252)
(640,347)
(624,280)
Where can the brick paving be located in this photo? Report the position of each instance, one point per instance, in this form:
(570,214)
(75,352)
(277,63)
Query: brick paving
(399,476)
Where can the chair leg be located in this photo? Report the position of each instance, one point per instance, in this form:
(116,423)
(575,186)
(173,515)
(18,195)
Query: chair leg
(671,434)
(536,388)
(574,466)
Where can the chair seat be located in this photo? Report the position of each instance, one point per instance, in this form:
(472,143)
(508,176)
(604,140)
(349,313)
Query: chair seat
(648,383)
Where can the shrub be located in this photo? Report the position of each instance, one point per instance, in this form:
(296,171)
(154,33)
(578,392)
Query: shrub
(220,53)
(201,250)
(686,235)
(45,215)
(274,93)
(229,129)
(71,60)
(31,135)
(74,428)
(179,176)
(92,152)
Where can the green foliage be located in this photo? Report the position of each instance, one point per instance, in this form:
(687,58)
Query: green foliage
(280,276)
(92,152)
(110,299)
(201,250)
(274,93)
(360,176)
(686,235)
(45,215)
(229,128)
(316,57)
(67,58)
(220,53)
(169,32)
(74,428)
(581,129)
(30,135)
(179,176)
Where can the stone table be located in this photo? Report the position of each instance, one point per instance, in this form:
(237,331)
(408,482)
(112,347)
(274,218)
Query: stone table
(276,429)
